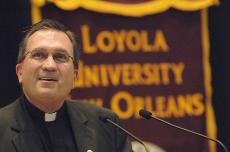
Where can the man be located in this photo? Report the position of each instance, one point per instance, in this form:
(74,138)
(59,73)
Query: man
(42,120)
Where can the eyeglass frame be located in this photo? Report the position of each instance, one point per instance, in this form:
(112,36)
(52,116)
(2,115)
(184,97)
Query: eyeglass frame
(30,52)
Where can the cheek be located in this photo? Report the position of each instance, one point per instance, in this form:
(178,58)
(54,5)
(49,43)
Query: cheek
(72,77)
(29,73)
(68,74)
(26,76)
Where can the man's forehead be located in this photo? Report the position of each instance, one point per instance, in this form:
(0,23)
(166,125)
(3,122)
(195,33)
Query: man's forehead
(44,35)
(48,32)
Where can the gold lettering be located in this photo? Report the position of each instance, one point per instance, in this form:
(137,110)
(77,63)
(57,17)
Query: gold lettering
(104,77)
(128,74)
(120,38)
(178,69)
(116,100)
(105,41)
(185,105)
(126,105)
(133,41)
(122,41)
(160,42)
(92,76)
(88,48)
(172,108)
(198,106)
(114,74)
(136,74)
(139,104)
(165,73)
(151,73)
(144,39)
(160,106)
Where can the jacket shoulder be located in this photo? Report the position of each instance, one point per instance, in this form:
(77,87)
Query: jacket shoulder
(7,120)
(91,109)
(7,112)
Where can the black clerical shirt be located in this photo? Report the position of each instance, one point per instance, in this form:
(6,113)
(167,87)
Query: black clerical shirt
(56,135)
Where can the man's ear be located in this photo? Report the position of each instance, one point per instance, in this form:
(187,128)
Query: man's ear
(75,77)
(19,72)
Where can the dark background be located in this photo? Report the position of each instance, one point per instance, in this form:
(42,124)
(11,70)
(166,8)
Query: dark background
(15,15)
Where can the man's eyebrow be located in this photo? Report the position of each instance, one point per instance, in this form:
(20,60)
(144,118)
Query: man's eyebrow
(60,50)
(37,49)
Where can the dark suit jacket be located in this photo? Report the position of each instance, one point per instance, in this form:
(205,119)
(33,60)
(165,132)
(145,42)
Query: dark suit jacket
(18,134)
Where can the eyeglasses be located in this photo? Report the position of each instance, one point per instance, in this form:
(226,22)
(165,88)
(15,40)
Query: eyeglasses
(42,55)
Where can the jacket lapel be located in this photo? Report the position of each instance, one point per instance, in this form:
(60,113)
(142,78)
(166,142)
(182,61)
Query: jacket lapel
(26,138)
(85,135)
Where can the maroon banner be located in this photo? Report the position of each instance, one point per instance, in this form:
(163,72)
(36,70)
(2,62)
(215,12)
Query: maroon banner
(156,62)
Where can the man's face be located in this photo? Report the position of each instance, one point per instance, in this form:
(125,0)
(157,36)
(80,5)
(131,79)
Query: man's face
(47,80)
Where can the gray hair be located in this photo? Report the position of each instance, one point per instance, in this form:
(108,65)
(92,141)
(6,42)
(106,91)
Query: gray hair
(48,24)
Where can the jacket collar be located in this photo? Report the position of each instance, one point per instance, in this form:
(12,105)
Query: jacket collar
(28,139)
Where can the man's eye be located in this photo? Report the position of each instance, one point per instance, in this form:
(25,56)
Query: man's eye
(38,55)
(60,57)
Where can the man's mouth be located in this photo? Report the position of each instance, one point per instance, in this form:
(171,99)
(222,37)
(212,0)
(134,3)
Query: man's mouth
(48,79)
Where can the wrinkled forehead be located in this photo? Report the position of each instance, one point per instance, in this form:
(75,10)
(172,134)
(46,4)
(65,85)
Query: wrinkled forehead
(49,39)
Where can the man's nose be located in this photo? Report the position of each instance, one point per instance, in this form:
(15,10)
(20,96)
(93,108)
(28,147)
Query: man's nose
(50,64)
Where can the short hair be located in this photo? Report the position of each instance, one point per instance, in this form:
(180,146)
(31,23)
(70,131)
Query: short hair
(48,24)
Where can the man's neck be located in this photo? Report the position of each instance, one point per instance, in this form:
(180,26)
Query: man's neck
(46,105)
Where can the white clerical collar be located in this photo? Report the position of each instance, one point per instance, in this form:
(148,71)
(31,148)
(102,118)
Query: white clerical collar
(49,117)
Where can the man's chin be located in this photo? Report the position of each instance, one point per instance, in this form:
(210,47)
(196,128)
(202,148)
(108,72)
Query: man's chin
(48,92)
(44,85)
